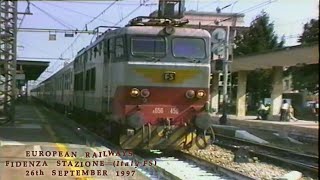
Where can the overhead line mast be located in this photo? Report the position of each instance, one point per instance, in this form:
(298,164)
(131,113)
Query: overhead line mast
(8,42)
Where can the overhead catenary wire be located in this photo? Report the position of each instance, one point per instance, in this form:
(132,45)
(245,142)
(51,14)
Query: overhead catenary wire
(85,28)
(77,12)
(248,10)
(54,18)
(133,11)
(24,15)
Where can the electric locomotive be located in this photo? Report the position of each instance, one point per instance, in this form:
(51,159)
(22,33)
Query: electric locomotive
(149,81)
(158,84)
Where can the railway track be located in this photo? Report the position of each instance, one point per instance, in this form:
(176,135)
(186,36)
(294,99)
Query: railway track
(185,166)
(286,158)
(151,172)
(177,165)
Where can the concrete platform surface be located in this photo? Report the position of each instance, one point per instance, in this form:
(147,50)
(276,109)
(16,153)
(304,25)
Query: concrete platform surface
(43,144)
(301,127)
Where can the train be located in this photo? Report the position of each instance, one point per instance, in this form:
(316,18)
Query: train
(144,85)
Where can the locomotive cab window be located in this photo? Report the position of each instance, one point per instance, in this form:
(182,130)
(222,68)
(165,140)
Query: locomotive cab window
(148,46)
(188,48)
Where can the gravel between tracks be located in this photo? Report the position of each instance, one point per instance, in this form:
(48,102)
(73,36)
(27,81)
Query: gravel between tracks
(254,169)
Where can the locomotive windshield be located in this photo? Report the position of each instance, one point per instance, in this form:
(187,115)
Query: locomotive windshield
(153,46)
(188,47)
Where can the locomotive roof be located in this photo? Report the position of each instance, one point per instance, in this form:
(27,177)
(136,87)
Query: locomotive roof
(157,30)
(147,30)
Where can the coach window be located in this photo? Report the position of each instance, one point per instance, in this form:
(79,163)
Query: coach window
(93,78)
(76,81)
(81,81)
(119,48)
(87,80)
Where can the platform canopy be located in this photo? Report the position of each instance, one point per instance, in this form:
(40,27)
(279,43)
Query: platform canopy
(31,69)
(286,57)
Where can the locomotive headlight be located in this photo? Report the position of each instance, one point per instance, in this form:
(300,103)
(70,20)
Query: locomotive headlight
(145,93)
(201,94)
(134,92)
(190,94)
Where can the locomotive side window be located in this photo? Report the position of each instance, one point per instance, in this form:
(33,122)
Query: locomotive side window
(105,48)
(95,49)
(150,46)
(110,47)
(100,48)
(84,61)
(188,47)
(119,47)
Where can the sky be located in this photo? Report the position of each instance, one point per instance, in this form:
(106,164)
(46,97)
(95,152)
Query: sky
(288,17)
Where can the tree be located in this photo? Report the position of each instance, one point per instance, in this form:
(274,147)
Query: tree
(310,32)
(259,38)
(306,77)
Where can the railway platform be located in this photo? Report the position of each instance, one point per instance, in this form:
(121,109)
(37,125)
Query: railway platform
(43,144)
(300,127)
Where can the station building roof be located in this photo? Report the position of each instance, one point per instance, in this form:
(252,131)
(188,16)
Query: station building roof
(286,57)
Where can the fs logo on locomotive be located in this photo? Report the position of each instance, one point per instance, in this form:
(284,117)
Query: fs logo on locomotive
(169,76)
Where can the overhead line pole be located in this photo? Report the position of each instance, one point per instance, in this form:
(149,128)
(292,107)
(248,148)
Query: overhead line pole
(225,78)
(8,42)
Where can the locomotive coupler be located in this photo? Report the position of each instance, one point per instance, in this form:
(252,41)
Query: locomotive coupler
(167,128)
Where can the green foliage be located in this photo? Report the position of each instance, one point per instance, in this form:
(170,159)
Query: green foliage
(310,32)
(306,77)
(259,38)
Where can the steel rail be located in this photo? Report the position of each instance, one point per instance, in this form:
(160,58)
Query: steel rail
(84,132)
(273,148)
(275,154)
(216,167)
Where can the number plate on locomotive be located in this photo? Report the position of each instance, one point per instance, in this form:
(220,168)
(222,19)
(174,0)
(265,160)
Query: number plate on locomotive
(161,110)
(169,76)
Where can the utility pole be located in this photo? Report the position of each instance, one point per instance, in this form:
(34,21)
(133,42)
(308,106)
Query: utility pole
(8,52)
(224,118)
